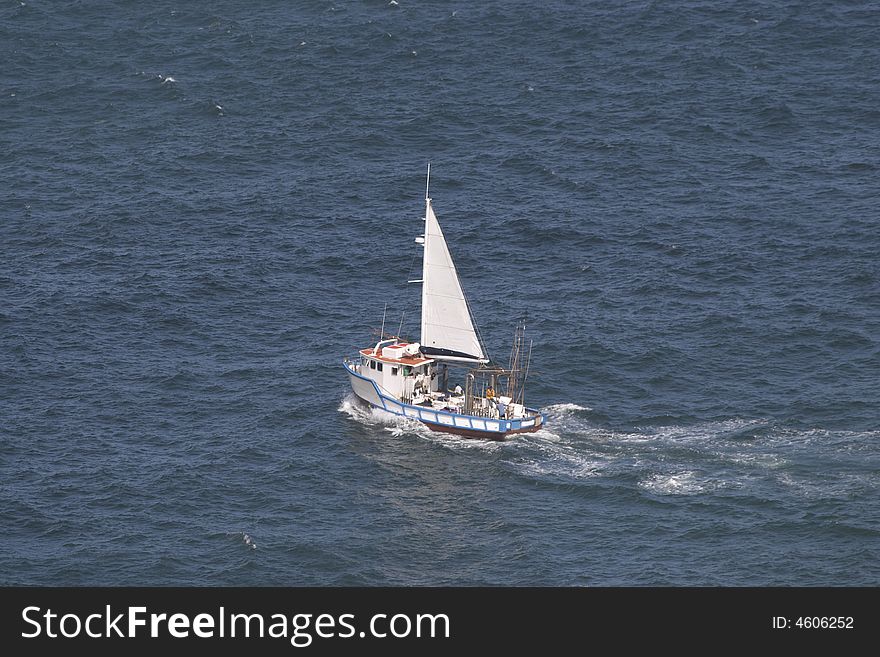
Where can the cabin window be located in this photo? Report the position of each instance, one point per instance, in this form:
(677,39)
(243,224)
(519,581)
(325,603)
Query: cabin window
(372,364)
(379,366)
(406,370)
(393,371)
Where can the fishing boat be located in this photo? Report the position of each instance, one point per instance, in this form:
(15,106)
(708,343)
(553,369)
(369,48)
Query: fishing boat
(413,379)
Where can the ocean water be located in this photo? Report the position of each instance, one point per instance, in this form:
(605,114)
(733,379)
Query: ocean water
(205,208)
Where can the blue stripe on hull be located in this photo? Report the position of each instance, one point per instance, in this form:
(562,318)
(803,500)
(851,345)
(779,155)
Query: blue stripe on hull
(442,420)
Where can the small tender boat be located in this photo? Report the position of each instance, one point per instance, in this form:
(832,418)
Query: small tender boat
(412,379)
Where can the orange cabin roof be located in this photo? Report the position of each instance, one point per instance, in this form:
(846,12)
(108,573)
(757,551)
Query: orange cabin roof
(406,360)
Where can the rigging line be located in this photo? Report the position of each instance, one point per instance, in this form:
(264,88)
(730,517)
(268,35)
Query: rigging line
(403,292)
(475,325)
(522,390)
(400,328)
(411,265)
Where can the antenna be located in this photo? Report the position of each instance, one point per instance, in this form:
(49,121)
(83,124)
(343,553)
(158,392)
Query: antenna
(382,332)
(400,328)
(428,183)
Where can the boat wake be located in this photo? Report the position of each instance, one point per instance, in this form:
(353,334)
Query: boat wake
(736,456)
(751,457)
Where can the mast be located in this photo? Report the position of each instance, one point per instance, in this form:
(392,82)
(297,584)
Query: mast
(425,255)
(427,187)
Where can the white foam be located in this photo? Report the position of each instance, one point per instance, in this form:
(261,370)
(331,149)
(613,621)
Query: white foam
(572,468)
(544,434)
(544,454)
(841,440)
(559,458)
(563,419)
(559,409)
(402,426)
(679,483)
(705,430)
(361,412)
(761,460)
(630,437)
(452,441)
(352,407)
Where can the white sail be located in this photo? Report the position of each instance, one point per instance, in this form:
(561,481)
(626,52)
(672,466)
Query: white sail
(447,327)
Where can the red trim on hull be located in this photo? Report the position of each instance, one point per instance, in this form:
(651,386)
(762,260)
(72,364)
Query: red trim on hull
(474,433)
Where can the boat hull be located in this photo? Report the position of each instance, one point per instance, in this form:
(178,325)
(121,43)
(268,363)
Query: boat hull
(439,420)
(480,435)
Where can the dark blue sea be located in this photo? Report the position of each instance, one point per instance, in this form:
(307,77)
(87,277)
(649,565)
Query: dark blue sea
(206,206)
